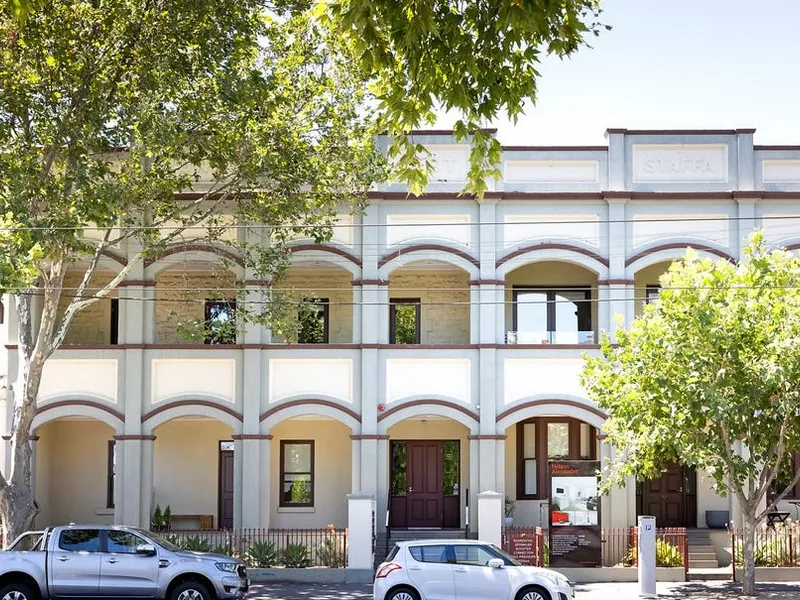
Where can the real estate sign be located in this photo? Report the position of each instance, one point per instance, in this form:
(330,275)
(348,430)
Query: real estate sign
(575,539)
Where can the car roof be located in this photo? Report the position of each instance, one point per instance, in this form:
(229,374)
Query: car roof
(436,542)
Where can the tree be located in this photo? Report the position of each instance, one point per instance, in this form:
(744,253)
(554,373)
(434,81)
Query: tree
(124,125)
(709,376)
(131,122)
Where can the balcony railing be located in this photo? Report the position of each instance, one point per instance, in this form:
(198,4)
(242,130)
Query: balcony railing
(550,337)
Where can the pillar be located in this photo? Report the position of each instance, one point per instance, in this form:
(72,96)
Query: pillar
(251,457)
(146,490)
(361,532)
(490,518)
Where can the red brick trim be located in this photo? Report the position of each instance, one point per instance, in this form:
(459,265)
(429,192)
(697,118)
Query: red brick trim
(256,282)
(557,402)
(181,403)
(601,436)
(97,405)
(487,282)
(583,196)
(431,402)
(487,437)
(680,131)
(143,438)
(552,246)
(446,131)
(777,147)
(190,247)
(357,282)
(675,245)
(325,248)
(253,436)
(310,402)
(420,247)
(132,282)
(555,148)
(616,282)
(369,436)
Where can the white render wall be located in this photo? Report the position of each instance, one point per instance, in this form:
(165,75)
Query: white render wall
(611,217)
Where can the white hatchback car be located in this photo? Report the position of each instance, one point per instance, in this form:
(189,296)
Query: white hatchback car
(463,570)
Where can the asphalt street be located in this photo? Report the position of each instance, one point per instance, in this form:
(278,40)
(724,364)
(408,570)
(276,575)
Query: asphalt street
(712,590)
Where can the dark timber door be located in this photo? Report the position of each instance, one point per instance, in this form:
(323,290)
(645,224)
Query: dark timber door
(665,498)
(425,502)
(225,488)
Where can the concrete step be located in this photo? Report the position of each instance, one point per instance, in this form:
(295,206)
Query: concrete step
(702,556)
(703,564)
(718,574)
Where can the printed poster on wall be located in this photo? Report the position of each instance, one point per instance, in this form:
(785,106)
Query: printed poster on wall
(575,539)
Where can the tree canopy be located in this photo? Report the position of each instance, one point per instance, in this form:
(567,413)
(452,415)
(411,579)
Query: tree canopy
(709,376)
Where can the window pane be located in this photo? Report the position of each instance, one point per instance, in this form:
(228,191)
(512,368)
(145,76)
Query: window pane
(531,310)
(312,321)
(398,470)
(451,468)
(297,458)
(557,440)
(586,440)
(220,322)
(529,440)
(123,542)
(405,323)
(76,540)
(297,489)
(530,477)
(472,555)
(226,446)
(429,554)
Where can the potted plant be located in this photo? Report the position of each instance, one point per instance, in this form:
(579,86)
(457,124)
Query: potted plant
(510,505)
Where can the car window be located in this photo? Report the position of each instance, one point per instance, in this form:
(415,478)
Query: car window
(123,542)
(392,553)
(80,540)
(472,554)
(429,554)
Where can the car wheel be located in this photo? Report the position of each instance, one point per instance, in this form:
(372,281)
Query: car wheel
(533,593)
(402,594)
(17,591)
(189,590)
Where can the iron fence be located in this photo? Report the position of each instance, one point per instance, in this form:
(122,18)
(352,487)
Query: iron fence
(776,545)
(268,547)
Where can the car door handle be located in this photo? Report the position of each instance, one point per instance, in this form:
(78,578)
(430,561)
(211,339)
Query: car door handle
(415,568)
(461,570)
(62,558)
(111,560)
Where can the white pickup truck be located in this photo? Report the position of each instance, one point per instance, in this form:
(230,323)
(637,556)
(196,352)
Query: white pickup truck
(99,561)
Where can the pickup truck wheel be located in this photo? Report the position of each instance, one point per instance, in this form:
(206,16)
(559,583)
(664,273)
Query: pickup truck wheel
(17,591)
(188,590)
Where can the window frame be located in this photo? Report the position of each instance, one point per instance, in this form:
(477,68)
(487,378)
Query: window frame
(651,293)
(324,305)
(100,541)
(551,304)
(208,336)
(114,326)
(107,538)
(281,501)
(540,430)
(393,303)
(110,473)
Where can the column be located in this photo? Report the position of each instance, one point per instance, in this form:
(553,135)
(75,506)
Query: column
(264,450)
(618,299)
(146,490)
(746,159)
(381,468)
(490,517)
(133,484)
(355,463)
(747,221)
(474,481)
(251,492)
(360,556)
(616,158)
(614,505)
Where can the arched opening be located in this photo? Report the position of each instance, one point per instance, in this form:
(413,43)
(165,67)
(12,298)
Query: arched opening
(98,323)
(429,303)
(75,475)
(195,303)
(647,286)
(311,472)
(193,472)
(428,472)
(318,299)
(551,302)
(532,442)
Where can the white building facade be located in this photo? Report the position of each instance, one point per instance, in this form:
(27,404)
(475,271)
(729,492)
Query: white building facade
(443,360)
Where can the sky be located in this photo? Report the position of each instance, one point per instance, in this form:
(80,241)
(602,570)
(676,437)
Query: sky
(673,64)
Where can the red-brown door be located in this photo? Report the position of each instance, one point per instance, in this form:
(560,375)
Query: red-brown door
(226,489)
(425,495)
(665,499)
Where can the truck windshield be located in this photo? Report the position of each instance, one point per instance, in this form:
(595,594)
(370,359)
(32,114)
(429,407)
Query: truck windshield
(167,545)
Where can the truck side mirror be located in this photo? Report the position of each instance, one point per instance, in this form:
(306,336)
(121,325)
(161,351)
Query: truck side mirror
(146,550)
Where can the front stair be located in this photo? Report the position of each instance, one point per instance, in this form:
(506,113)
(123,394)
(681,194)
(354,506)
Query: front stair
(383,545)
(703,565)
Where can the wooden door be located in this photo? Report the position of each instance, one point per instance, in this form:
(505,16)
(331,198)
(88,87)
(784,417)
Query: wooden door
(425,493)
(665,498)
(225,489)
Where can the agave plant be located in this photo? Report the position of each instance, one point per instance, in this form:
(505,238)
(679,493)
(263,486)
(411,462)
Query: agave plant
(262,555)
(296,556)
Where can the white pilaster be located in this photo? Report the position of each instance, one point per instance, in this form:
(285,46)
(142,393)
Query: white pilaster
(490,517)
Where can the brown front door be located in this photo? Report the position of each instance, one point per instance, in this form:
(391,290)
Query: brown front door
(225,488)
(425,500)
(665,498)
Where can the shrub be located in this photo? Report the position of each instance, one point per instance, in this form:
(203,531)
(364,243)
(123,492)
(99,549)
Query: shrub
(196,544)
(296,556)
(770,553)
(667,555)
(262,555)
(330,553)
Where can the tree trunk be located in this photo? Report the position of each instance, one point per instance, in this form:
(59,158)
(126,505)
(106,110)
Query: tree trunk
(748,555)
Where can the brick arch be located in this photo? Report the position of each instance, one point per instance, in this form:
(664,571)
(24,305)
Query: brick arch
(208,252)
(672,251)
(92,409)
(287,409)
(552,252)
(168,411)
(399,411)
(456,257)
(526,409)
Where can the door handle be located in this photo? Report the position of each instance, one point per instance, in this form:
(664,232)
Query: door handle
(410,489)
(111,560)
(461,570)
(415,568)
(62,558)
